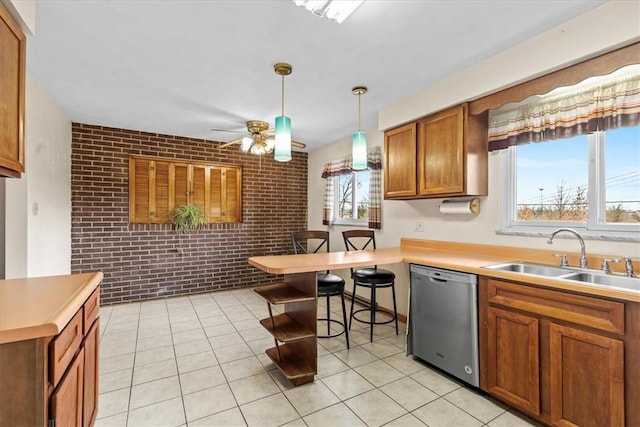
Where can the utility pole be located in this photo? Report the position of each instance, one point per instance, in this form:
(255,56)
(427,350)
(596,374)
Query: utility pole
(541,190)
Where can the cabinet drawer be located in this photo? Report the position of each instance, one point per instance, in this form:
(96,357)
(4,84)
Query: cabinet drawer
(595,313)
(91,310)
(64,347)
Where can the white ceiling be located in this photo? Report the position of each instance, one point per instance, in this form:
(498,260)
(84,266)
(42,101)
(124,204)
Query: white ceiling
(184,67)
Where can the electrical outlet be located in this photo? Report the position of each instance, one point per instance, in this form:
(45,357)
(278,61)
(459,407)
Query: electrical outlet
(419,226)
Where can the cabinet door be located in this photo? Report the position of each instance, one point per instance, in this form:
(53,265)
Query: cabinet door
(400,162)
(441,153)
(179,184)
(148,191)
(66,401)
(587,378)
(12,91)
(225,195)
(90,385)
(513,350)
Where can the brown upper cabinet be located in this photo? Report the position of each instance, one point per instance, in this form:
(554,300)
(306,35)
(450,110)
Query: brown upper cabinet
(13,45)
(157,186)
(441,155)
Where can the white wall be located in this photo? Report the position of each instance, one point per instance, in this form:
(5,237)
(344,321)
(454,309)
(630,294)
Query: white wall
(618,23)
(40,244)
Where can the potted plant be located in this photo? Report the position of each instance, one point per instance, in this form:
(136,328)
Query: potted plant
(188,217)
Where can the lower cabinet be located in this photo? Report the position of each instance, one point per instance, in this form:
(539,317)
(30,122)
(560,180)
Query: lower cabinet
(53,380)
(559,357)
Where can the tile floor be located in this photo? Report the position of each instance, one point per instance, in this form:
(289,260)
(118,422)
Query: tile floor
(199,361)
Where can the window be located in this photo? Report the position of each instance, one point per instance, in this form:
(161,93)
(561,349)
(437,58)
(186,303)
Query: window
(352,190)
(590,182)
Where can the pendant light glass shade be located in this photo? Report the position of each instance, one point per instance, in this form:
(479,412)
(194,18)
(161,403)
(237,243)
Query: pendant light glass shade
(283,123)
(359,139)
(283,139)
(359,151)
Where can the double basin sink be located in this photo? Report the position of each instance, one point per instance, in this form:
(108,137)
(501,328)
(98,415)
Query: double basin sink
(584,276)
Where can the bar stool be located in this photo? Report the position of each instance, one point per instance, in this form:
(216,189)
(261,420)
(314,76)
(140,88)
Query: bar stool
(369,277)
(328,284)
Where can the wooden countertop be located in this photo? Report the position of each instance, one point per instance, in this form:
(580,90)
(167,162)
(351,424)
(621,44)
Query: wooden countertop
(468,258)
(42,306)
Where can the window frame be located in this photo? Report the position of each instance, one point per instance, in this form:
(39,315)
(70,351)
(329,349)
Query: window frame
(354,222)
(595,227)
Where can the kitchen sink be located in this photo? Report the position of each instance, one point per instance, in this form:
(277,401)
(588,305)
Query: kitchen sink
(573,274)
(530,268)
(632,283)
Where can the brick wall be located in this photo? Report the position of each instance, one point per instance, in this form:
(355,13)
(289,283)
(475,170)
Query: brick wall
(140,261)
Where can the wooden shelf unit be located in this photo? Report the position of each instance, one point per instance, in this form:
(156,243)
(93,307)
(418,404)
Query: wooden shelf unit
(294,331)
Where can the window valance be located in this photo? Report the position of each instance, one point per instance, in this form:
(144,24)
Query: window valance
(599,107)
(343,166)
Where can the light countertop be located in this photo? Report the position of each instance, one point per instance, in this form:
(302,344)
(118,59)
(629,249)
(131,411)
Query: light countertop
(42,306)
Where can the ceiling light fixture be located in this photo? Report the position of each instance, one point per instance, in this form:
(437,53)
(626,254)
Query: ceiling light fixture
(337,10)
(359,140)
(283,123)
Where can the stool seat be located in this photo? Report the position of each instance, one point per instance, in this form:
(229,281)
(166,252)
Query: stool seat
(373,276)
(330,284)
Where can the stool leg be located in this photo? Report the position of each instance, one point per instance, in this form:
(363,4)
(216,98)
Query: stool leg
(373,312)
(353,300)
(328,315)
(344,319)
(395,311)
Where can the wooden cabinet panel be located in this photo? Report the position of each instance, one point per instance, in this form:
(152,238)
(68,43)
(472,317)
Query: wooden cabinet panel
(12,94)
(66,401)
(400,162)
(157,186)
(440,152)
(587,378)
(90,384)
(64,347)
(513,358)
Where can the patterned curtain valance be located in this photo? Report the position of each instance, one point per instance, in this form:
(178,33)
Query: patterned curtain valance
(608,105)
(343,166)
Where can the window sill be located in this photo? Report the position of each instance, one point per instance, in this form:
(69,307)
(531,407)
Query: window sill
(586,235)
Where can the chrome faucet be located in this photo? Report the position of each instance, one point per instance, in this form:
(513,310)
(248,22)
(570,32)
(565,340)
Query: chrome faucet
(628,267)
(583,254)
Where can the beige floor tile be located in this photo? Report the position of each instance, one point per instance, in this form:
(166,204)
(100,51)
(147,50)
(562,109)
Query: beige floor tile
(254,334)
(154,392)
(409,393)
(201,379)
(311,397)
(225,340)
(270,411)
(329,365)
(279,378)
(259,346)
(441,413)
(295,423)
(116,363)
(154,355)
(406,421)
(206,312)
(185,336)
(218,320)
(229,418)
(168,413)
(154,342)
(338,415)
(118,420)
(375,408)
(154,371)
(218,330)
(405,364)
(242,368)
(194,362)
(243,320)
(253,388)
(477,405)
(379,373)
(231,353)
(347,384)
(192,347)
(356,356)
(381,349)
(513,419)
(435,382)
(113,402)
(208,402)
(185,326)
(115,380)
(155,330)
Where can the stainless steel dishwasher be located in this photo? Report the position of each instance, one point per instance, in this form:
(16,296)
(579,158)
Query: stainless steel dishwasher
(443,321)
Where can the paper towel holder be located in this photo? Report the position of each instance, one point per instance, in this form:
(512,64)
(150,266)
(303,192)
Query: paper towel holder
(460,207)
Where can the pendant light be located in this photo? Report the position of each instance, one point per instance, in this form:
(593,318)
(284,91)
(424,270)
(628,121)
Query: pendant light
(359,140)
(283,123)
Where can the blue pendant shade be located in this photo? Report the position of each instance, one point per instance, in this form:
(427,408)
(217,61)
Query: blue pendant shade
(283,139)
(359,139)
(359,151)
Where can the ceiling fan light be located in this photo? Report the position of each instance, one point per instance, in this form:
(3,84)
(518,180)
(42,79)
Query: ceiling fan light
(283,139)
(246,144)
(359,151)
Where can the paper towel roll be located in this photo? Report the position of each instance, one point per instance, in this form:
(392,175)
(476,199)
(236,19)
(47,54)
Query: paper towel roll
(460,207)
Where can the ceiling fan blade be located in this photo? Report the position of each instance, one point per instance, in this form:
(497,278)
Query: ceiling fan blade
(228,130)
(230,143)
(299,144)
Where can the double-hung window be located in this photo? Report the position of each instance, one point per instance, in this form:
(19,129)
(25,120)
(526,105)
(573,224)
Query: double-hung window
(572,160)
(351,198)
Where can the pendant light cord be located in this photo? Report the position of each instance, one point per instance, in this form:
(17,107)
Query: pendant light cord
(359,98)
(283,94)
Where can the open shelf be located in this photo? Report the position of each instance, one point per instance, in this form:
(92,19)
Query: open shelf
(286,329)
(293,367)
(282,293)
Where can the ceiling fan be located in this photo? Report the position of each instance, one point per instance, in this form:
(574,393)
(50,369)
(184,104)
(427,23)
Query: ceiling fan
(259,139)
